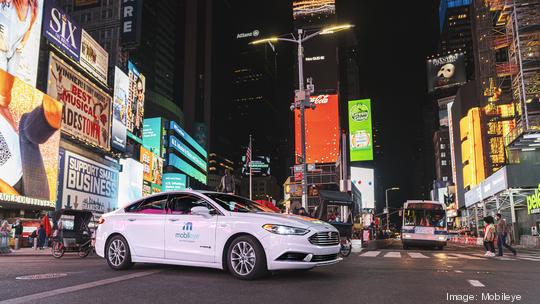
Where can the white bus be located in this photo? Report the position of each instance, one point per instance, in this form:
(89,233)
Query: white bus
(424,224)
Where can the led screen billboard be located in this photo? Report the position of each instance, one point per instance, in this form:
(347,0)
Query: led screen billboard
(130,182)
(135,113)
(87,184)
(447,71)
(62,30)
(188,169)
(93,57)
(363,180)
(87,108)
(174,181)
(187,152)
(322,130)
(29,140)
(153,135)
(260,166)
(360,130)
(183,134)
(119,110)
(19,40)
(152,172)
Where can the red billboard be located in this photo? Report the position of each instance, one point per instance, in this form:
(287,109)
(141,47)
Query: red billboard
(322,130)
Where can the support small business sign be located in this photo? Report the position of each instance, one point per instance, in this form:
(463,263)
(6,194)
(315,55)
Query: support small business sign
(533,202)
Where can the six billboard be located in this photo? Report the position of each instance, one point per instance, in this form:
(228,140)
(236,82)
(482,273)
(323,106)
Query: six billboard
(87,108)
(446,71)
(135,110)
(20,40)
(29,141)
(87,184)
(119,110)
(360,130)
(322,130)
(61,30)
(93,57)
(362,179)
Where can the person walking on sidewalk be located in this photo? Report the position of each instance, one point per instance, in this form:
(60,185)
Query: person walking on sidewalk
(42,235)
(489,236)
(502,233)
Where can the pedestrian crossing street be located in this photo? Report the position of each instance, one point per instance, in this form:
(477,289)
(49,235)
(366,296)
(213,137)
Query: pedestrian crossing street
(446,255)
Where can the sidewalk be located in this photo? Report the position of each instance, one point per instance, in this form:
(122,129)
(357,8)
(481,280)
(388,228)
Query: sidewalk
(28,252)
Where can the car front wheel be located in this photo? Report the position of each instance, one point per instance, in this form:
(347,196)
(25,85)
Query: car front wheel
(117,253)
(246,258)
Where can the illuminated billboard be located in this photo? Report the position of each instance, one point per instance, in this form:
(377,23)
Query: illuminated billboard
(363,180)
(135,113)
(322,130)
(187,152)
(119,110)
(152,172)
(93,57)
(260,166)
(183,134)
(153,135)
(19,40)
(445,72)
(130,182)
(87,108)
(188,169)
(360,130)
(87,184)
(62,30)
(174,181)
(29,140)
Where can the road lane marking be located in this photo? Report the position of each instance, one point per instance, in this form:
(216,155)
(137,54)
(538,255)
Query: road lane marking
(529,259)
(476,283)
(458,271)
(393,254)
(465,256)
(55,292)
(370,254)
(444,256)
(417,255)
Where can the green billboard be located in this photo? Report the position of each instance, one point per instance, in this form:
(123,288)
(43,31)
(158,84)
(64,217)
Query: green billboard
(360,130)
(153,135)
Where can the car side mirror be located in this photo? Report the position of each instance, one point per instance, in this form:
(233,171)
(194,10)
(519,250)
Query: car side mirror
(202,211)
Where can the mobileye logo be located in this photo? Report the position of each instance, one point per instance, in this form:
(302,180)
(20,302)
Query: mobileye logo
(186,235)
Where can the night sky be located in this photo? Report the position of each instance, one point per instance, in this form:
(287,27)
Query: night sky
(394,38)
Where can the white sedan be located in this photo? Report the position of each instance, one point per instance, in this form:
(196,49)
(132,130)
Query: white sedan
(210,229)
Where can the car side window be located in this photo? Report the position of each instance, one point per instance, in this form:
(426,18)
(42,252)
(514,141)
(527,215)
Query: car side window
(152,205)
(182,204)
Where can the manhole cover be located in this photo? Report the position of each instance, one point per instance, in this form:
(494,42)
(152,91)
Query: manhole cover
(42,276)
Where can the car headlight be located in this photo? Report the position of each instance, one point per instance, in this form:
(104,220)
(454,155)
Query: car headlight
(284,230)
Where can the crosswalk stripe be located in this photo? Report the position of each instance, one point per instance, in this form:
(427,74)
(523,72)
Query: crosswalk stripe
(393,254)
(417,255)
(528,259)
(464,256)
(370,254)
(476,283)
(444,256)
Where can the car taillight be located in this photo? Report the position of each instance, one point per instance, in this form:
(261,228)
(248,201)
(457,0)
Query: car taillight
(101,221)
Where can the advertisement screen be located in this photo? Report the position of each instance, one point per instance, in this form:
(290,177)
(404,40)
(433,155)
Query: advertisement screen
(135,101)
(184,135)
(61,30)
(94,58)
(87,184)
(19,40)
(152,172)
(187,152)
(130,182)
(119,109)
(174,181)
(153,135)
(320,62)
(446,71)
(260,166)
(364,181)
(86,107)
(131,22)
(188,169)
(360,130)
(322,130)
(29,140)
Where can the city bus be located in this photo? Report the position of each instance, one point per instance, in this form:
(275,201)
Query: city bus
(424,224)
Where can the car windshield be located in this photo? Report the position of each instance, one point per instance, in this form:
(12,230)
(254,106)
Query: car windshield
(425,218)
(235,203)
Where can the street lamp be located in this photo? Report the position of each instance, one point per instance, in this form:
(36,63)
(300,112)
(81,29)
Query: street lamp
(301,100)
(388,211)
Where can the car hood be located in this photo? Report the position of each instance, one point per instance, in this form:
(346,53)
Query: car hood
(285,219)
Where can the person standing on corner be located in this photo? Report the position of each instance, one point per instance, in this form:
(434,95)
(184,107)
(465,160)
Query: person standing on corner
(18,227)
(502,233)
(227,184)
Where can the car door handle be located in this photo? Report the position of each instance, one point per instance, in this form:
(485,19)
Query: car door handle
(173,220)
(132,220)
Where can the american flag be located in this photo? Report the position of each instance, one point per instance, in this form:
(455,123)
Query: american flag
(248,154)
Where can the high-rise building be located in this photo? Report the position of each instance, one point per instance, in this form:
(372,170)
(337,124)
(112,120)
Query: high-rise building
(443,162)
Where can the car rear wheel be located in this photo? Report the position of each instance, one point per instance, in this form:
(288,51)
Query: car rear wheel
(246,258)
(117,253)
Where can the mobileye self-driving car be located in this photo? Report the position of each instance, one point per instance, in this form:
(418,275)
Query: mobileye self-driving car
(210,229)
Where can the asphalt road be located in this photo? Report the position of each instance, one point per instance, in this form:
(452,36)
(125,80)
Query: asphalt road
(381,274)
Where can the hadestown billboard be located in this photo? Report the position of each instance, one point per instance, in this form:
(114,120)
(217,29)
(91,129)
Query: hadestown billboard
(445,72)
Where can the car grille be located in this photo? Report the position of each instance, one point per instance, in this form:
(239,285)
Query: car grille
(324,258)
(325,238)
